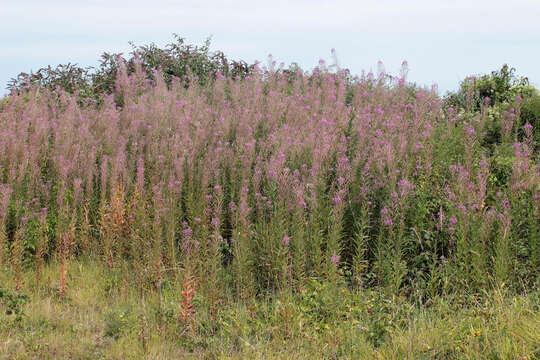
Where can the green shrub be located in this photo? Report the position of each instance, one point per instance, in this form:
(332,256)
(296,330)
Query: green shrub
(501,86)
(175,60)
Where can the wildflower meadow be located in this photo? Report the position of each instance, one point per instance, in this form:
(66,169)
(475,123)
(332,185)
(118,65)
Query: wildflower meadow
(277,213)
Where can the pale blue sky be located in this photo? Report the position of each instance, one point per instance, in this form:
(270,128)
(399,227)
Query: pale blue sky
(442,40)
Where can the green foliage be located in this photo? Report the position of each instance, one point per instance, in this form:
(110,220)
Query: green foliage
(501,165)
(176,60)
(530,113)
(322,303)
(117,322)
(179,60)
(13,302)
(501,86)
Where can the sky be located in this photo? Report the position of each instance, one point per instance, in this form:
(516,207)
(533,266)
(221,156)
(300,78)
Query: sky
(443,41)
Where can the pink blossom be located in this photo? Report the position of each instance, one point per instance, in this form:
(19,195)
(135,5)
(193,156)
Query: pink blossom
(285,240)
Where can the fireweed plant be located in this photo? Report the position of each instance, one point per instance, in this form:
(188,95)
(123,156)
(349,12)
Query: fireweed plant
(259,184)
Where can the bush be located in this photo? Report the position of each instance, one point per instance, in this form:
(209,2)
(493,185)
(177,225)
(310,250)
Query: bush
(175,60)
(501,86)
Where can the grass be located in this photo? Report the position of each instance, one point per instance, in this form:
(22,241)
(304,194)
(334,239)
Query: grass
(102,316)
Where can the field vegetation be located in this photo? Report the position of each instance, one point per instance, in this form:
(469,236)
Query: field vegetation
(176,204)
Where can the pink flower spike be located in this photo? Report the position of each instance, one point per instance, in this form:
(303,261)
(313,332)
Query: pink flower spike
(286,240)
